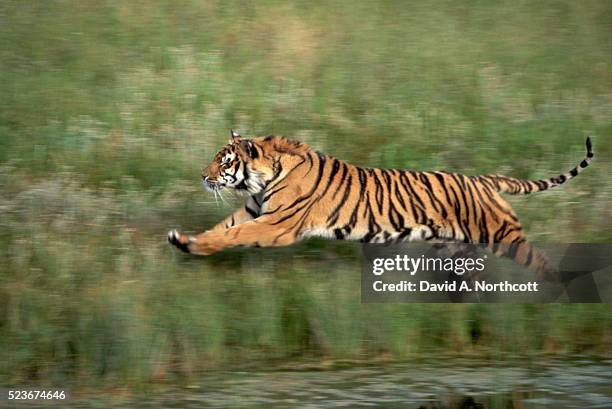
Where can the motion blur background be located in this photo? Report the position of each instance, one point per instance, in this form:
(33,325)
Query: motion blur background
(109,110)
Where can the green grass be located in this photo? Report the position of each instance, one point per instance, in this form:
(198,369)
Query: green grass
(109,110)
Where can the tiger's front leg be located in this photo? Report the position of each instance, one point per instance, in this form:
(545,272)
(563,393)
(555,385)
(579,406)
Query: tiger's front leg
(258,232)
(249,211)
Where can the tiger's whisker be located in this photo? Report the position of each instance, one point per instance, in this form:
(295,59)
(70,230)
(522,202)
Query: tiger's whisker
(222,198)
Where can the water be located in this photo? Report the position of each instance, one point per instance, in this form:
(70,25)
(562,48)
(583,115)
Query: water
(443,383)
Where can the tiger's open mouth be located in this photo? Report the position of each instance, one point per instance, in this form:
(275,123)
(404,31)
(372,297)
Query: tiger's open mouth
(212,185)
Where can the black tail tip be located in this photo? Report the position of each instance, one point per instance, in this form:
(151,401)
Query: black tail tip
(589,147)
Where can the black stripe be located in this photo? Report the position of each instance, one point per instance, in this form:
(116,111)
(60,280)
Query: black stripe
(342,178)
(272,193)
(460,221)
(296,211)
(272,211)
(542,184)
(397,221)
(250,211)
(418,213)
(500,233)
(416,195)
(269,186)
(338,234)
(398,195)
(463,196)
(304,217)
(482,226)
(333,217)
(470,192)
(314,186)
(278,168)
(403,234)
(252,150)
(441,180)
(385,174)
(488,181)
(432,198)
(362,183)
(494,202)
(482,203)
(378,195)
(335,169)
(589,147)
(527,186)
(373,227)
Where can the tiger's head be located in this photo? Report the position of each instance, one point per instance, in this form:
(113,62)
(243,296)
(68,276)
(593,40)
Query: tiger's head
(240,165)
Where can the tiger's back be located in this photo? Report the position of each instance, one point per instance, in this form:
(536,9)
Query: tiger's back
(389,205)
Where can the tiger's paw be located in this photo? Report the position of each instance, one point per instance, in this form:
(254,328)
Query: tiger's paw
(179,240)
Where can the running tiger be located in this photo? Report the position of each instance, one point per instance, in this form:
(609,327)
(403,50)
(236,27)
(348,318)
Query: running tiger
(296,192)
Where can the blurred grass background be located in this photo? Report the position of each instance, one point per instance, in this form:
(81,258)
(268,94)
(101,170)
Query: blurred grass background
(109,109)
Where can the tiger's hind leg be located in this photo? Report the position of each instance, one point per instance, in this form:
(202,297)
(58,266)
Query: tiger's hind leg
(525,254)
(501,231)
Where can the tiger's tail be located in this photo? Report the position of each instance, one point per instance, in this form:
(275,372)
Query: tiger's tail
(515,186)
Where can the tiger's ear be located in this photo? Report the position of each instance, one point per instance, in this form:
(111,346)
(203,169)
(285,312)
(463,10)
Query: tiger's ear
(234,136)
(249,148)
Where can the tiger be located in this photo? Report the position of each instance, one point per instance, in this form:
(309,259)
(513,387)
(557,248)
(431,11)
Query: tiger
(294,192)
